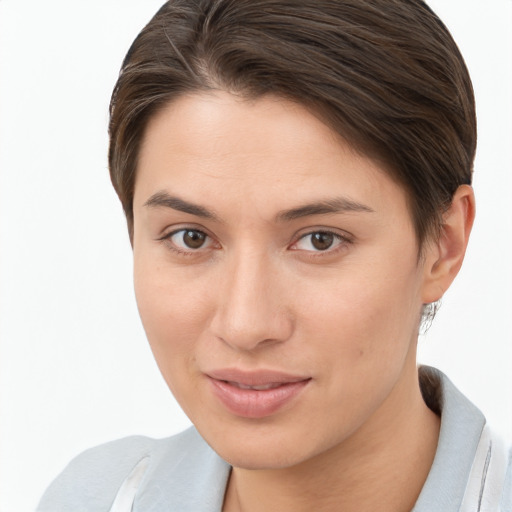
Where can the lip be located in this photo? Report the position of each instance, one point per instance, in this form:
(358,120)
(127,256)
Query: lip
(255,394)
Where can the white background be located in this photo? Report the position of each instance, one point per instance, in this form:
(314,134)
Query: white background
(75,369)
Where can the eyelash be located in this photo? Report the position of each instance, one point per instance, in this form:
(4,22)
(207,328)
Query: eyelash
(343,241)
(168,242)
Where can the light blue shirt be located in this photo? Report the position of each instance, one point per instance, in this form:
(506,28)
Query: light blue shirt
(183,474)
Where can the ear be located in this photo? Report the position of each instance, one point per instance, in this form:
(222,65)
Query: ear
(443,257)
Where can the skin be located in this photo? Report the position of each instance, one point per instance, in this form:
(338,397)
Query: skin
(258,294)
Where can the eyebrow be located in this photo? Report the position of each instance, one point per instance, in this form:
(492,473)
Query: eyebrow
(327,206)
(163,199)
(324,207)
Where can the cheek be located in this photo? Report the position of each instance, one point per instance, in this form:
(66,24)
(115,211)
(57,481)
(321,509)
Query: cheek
(360,339)
(365,318)
(173,311)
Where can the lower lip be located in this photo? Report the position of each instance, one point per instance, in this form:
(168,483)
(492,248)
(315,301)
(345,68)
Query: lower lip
(252,403)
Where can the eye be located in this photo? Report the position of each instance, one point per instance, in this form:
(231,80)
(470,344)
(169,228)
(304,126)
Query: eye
(319,241)
(186,239)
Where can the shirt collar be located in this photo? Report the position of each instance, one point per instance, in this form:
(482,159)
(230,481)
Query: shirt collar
(461,427)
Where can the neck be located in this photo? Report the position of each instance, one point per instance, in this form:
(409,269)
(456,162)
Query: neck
(382,466)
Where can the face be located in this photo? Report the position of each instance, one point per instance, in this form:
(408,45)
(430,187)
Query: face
(277,278)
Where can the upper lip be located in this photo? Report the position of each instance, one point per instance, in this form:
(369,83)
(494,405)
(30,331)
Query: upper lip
(255,377)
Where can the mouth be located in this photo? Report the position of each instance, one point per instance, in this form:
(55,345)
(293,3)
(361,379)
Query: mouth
(261,387)
(255,394)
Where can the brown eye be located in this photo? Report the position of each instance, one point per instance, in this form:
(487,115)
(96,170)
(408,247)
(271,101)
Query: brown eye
(322,241)
(185,239)
(194,239)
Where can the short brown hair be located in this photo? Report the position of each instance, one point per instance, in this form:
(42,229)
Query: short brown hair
(384,74)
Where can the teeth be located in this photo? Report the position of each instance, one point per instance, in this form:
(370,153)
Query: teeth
(262,387)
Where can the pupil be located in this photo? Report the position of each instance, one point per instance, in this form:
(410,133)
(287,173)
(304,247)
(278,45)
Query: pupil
(194,239)
(322,241)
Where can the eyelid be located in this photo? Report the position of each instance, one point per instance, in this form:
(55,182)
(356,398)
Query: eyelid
(344,239)
(176,228)
(169,233)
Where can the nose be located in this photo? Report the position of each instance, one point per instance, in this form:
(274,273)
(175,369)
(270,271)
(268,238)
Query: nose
(251,304)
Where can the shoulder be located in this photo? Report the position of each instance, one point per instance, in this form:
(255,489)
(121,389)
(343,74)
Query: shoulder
(90,481)
(471,469)
(137,467)
(489,483)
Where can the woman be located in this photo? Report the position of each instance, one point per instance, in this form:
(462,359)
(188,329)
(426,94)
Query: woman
(296,177)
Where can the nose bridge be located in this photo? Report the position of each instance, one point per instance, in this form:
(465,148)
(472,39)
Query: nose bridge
(250,308)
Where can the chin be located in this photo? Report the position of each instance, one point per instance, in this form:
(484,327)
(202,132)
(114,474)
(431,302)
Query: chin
(260,448)
(261,458)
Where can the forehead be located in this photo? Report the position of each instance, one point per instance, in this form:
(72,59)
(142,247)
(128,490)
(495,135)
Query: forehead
(268,151)
(220,124)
